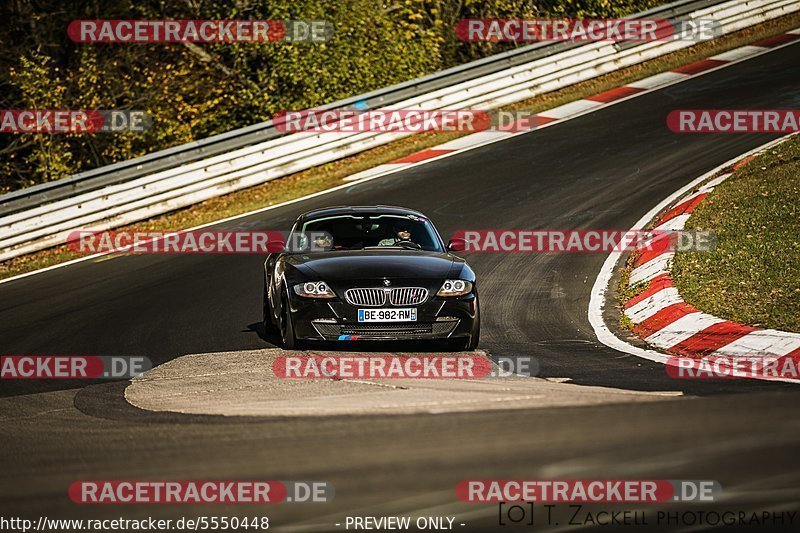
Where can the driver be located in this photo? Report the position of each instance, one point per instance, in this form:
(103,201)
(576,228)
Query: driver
(401,233)
(323,241)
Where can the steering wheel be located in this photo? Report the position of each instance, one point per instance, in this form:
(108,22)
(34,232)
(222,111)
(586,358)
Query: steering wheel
(409,244)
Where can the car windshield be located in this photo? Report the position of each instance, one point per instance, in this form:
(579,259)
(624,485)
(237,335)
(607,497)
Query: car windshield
(357,232)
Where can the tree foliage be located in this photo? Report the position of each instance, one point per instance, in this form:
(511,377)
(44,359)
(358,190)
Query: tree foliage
(196,90)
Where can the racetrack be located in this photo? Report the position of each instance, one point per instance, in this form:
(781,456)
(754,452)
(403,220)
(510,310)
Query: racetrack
(603,170)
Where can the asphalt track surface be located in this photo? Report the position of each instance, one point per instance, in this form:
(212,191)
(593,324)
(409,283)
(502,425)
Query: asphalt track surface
(603,170)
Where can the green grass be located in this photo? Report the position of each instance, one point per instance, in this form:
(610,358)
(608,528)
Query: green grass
(753,276)
(329,175)
(626,291)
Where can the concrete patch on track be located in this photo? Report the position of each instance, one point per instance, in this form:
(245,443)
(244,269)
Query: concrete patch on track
(244,384)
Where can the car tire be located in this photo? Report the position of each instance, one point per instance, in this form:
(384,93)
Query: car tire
(269,323)
(470,343)
(475,338)
(459,345)
(286,327)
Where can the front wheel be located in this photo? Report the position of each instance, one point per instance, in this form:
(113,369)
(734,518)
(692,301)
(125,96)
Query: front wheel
(460,345)
(287,329)
(463,345)
(269,323)
(475,338)
(470,343)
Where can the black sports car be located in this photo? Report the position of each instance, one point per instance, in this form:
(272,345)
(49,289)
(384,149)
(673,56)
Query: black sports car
(369,273)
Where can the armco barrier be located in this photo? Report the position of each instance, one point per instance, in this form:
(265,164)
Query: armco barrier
(43,216)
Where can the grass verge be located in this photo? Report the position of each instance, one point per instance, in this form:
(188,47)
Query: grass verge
(329,175)
(626,291)
(753,276)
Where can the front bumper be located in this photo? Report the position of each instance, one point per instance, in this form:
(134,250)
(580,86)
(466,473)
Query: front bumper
(336,320)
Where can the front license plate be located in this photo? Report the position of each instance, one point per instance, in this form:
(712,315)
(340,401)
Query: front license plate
(387,315)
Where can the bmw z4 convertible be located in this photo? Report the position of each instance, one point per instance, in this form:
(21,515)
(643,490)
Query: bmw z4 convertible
(369,274)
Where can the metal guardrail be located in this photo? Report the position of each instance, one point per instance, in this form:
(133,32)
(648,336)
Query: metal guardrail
(128,191)
(225,142)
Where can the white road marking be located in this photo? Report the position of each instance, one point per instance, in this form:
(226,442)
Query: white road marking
(675,223)
(572,108)
(655,267)
(659,80)
(681,329)
(739,53)
(762,342)
(653,304)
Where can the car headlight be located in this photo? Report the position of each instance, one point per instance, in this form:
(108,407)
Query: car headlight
(314,289)
(455,287)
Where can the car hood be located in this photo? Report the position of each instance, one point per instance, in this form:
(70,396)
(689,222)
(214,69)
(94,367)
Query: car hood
(373,264)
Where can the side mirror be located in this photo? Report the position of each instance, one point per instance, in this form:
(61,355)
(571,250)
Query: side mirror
(276,246)
(457,245)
